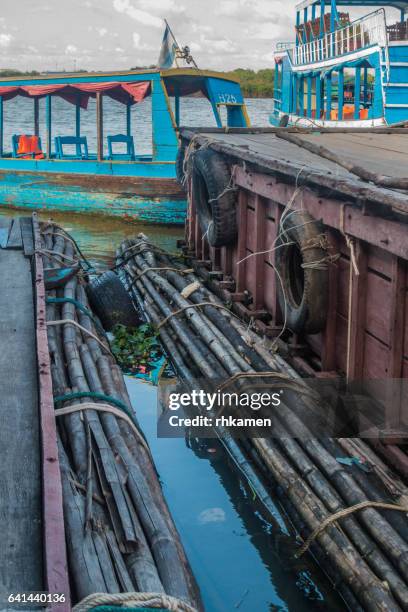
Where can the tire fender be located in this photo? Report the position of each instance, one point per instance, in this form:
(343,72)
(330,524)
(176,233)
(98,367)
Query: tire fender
(302,273)
(214,198)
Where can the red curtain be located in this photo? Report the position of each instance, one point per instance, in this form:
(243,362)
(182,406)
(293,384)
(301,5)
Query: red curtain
(122,92)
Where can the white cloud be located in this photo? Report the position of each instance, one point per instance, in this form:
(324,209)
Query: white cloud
(5,40)
(143,17)
(162,6)
(102,31)
(71,49)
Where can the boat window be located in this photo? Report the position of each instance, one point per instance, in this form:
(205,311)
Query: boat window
(194,111)
(19,119)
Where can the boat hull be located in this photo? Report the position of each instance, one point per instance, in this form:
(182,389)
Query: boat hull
(145,199)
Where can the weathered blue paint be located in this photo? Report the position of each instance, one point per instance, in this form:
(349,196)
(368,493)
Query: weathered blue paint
(48,122)
(309,96)
(34,191)
(318,97)
(146,169)
(341,93)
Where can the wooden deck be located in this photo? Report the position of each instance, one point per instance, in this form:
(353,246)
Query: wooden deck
(383,152)
(30,500)
(20,474)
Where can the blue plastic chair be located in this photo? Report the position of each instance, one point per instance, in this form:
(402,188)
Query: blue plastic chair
(14,143)
(80,143)
(123,139)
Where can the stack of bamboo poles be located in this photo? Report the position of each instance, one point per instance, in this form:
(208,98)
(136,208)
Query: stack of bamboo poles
(365,550)
(120,535)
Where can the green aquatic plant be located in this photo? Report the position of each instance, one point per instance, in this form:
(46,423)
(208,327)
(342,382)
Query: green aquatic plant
(136,348)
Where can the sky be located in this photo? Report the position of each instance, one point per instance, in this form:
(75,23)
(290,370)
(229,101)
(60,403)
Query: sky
(59,35)
(119,34)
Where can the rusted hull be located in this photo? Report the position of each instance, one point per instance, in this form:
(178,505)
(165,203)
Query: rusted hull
(146,199)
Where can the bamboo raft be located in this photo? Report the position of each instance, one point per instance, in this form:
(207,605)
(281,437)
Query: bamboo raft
(352,520)
(120,536)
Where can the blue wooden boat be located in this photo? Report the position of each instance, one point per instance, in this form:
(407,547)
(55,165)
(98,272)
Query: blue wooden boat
(62,174)
(341,72)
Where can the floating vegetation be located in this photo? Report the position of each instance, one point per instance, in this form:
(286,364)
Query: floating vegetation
(136,349)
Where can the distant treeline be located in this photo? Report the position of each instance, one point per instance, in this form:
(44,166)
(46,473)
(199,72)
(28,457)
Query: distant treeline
(255,84)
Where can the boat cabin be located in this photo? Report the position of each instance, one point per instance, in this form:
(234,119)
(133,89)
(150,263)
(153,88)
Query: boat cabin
(51,157)
(164,88)
(344,71)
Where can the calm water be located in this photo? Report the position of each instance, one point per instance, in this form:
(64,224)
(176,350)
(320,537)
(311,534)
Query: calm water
(240,560)
(18,119)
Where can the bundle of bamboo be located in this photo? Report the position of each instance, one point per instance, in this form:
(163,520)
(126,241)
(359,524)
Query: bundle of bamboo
(357,517)
(120,535)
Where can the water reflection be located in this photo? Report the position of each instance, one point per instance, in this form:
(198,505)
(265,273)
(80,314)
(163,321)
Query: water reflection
(240,560)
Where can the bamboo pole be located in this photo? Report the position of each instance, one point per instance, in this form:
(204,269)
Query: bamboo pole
(120,469)
(369,562)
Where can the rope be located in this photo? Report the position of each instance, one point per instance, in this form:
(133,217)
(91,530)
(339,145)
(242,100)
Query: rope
(102,408)
(72,240)
(83,329)
(79,305)
(54,255)
(66,397)
(183,308)
(353,266)
(343,513)
(136,600)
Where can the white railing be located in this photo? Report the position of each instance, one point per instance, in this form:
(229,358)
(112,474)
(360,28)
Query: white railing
(359,34)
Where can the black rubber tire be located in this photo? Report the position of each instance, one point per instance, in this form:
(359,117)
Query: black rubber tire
(111,302)
(216,213)
(306,289)
(180,166)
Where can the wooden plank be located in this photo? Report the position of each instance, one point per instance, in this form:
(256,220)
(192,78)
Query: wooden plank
(15,240)
(27,235)
(357,314)
(55,556)
(20,476)
(5,225)
(329,349)
(397,316)
(387,235)
(241,246)
(259,239)
(397,323)
(292,164)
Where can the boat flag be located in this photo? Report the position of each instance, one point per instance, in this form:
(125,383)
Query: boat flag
(168,49)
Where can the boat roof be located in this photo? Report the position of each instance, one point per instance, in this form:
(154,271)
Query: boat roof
(193,76)
(401,5)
